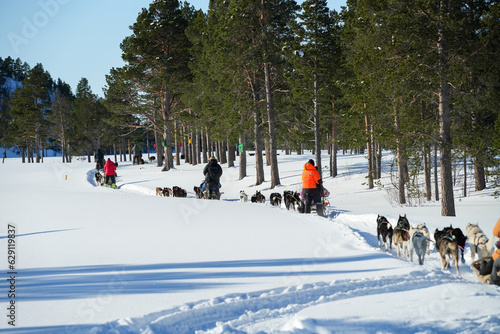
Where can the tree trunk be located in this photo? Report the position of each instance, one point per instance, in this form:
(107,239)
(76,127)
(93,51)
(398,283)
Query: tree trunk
(243,159)
(158,147)
(479,175)
(259,163)
(370,152)
(436,182)
(204,146)
(427,173)
(447,199)
(275,177)
(333,156)
(209,145)
(177,148)
(465,175)
(167,131)
(379,159)
(230,154)
(317,132)
(400,158)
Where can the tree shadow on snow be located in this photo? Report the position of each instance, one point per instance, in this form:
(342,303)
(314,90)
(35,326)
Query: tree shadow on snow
(102,280)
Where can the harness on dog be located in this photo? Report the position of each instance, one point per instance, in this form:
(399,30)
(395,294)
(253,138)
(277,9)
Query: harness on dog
(476,242)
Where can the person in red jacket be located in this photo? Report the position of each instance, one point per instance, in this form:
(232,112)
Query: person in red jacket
(110,173)
(312,186)
(494,279)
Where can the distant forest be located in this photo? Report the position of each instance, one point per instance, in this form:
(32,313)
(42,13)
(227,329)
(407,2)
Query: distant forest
(420,78)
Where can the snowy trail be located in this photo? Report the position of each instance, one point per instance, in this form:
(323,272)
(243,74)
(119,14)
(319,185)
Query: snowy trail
(127,261)
(276,307)
(237,310)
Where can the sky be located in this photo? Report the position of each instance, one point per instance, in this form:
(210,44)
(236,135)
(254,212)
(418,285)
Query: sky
(74,39)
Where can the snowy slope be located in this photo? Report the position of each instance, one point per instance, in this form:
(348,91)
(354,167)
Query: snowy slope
(98,260)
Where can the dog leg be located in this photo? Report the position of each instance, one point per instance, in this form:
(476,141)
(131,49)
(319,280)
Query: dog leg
(455,256)
(443,261)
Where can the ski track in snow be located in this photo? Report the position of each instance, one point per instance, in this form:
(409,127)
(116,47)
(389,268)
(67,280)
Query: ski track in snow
(236,310)
(233,312)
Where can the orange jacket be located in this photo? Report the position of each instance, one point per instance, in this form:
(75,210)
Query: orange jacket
(496,232)
(310,177)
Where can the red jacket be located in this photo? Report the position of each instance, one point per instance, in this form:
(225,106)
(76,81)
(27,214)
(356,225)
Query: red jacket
(496,232)
(109,168)
(310,177)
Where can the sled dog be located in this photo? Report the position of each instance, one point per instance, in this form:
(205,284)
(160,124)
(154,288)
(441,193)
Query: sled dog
(418,242)
(478,242)
(384,232)
(401,237)
(447,247)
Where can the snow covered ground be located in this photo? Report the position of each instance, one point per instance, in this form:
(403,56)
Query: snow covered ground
(97,260)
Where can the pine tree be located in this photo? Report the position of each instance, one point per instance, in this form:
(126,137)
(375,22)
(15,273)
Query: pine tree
(29,110)
(61,118)
(89,118)
(157,72)
(316,59)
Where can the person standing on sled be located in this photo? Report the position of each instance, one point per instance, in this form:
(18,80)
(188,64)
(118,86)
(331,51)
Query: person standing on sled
(110,173)
(213,172)
(494,279)
(137,155)
(312,186)
(99,159)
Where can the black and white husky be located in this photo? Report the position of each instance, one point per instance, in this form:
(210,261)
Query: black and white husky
(384,232)
(243,196)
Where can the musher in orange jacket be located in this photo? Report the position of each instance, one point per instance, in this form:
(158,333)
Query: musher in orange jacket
(312,185)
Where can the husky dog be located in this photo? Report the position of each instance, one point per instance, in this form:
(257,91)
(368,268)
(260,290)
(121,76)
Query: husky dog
(460,238)
(401,237)
(243,196)
(159,191)
(291,199)
(152,158)
(258,198)
(275,199)
(99,179)
(178,192)
(478,242)
(384,232)
(418,242)
(198,191)
(168,192)
(446,246)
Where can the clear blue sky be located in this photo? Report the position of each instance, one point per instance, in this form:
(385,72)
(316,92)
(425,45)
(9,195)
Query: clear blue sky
(74,39)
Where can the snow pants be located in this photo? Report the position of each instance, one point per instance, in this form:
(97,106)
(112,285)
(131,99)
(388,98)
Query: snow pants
(110,179)
(313,194)
(494,279)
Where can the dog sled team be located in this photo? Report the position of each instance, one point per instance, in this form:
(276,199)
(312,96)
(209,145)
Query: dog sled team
(109,169)
(449,243)
(312,192)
